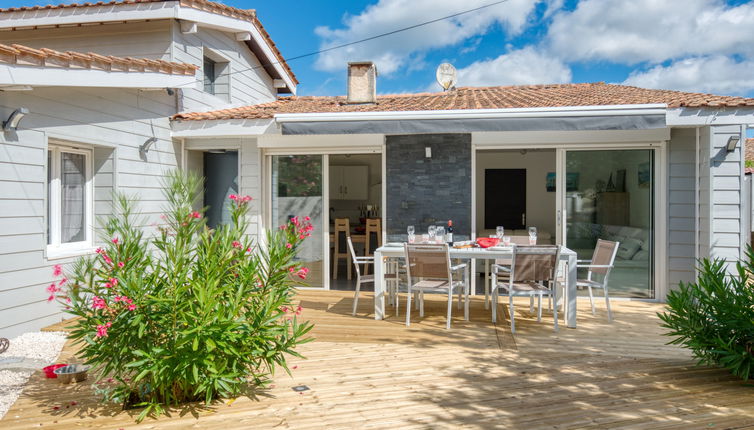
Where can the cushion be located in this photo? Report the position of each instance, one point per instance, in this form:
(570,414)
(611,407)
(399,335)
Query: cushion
(628,248)
(642,255)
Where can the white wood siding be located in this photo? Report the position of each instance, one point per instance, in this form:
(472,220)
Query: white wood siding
(727,203)
(681,206)
(249,83)
(113,123)
(704,234)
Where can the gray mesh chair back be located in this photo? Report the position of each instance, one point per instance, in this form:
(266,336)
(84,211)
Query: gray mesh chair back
(535,263)
(427,262)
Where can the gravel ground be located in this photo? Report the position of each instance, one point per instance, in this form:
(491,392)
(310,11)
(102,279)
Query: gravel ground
(28,352)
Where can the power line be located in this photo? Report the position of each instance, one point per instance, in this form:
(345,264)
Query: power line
(389,33)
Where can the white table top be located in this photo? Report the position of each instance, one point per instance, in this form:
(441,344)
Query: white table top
(396,249)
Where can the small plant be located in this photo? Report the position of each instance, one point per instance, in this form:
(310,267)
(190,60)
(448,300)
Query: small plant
(193,314)
(714,317)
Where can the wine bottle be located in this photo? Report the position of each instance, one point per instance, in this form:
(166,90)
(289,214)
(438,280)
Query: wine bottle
(449,235)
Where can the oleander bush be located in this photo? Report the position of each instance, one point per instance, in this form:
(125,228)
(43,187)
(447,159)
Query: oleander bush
(714,316)
(191,314)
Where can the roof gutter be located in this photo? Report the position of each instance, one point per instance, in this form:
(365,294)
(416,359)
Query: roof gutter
(567,111)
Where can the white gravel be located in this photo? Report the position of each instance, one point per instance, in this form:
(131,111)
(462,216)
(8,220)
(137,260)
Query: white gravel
(27,353)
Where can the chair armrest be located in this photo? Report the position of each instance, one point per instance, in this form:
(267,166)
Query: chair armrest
(599,266)
(364,260)
(583,261)
(498,268)
(458,267)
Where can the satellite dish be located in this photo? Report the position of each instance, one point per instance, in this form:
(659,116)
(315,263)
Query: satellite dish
(446,76)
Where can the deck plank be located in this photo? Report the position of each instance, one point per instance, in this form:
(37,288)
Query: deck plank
(379,374)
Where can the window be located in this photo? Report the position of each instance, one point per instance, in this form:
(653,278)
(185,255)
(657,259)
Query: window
(69,199)
(209,76)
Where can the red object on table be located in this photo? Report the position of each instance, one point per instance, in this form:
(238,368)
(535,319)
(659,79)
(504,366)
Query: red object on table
(486,242)
(50,370)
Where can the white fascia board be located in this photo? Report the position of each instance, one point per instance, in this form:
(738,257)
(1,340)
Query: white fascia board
(694,117)
(575,111)
(13,75)
(223,128)
(548,137)
(367,141)
(259,39)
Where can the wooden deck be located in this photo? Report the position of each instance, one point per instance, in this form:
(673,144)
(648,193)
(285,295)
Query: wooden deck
(379,374)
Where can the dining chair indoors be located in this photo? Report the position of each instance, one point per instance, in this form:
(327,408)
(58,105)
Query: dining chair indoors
(428,270)
(598,275)
(341,231)
(532,274)
(391,278)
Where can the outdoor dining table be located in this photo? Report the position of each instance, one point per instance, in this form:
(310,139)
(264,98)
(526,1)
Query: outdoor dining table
(394,250)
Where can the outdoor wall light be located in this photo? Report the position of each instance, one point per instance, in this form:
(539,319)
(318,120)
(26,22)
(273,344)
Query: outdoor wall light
(12,123)
(144,148)
(732,142)
(428,152)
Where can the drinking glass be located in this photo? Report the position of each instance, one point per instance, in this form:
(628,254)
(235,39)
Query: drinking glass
(500,230)
(432,231)
(532,235)
(440,234)
(410,230)
(507,240)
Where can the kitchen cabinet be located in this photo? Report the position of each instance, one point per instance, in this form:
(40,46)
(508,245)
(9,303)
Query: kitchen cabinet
(349,182)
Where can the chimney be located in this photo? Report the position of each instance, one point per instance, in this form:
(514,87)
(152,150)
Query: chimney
(362,82)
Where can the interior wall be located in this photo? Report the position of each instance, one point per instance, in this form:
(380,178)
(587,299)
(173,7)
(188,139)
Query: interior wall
(349,208)
(540,204)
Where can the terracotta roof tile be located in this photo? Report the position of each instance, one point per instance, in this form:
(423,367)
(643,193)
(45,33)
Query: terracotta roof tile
(525,96)
(205,5)
(44,57)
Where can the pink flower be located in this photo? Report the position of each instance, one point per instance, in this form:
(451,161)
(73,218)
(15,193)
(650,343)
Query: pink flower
(99,250)
(57,270)
(163,217)
(62,281)
(246,199)
(282,227)
(302,272)
(288,245)
(306,218)
(51,298)
(236,244)
(248,249)
(98,303)
(102,330)
(295,221)
(52,289)
(283,309)
(121,264)
(233,197)
(68,300)
(116,299)
(113,281)
(131,307)
(299,309)
(107,259)
(195,214)
(115,240)
(107,285)
(291,269)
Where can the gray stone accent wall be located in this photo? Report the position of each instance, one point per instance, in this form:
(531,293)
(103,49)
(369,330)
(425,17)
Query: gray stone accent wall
(423,191)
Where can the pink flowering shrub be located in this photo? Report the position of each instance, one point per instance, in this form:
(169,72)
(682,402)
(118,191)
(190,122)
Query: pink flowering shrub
(193,314)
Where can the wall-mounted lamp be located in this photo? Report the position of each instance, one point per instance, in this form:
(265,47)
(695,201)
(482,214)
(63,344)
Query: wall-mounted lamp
(144,148)
(428,152)
(12,123)
(732,142)
(170,91)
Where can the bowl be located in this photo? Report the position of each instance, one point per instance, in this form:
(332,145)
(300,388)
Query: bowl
(50,370)
(71,373)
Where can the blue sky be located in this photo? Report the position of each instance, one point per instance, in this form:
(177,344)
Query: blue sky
(705,46)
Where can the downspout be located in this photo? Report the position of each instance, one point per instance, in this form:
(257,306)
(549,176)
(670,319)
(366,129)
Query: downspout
(697,198)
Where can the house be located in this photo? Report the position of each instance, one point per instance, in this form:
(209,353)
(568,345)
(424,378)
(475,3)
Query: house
(660,171)
(98,84)
(119,93)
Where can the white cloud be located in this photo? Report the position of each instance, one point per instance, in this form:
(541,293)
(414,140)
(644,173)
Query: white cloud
(631,32)
(518,67)
(391,53)
(715,74)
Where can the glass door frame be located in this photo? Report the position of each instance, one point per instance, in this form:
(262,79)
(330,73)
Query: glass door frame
(266,184)
(659,205)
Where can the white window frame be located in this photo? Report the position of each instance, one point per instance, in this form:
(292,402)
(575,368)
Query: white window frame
(53,215)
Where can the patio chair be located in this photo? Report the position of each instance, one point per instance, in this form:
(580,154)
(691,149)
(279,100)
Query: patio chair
(502,266)
(532,274)
(391,278)
(599,267)
(428,270)
(373,238)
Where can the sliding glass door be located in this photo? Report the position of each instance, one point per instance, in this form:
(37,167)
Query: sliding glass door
(297,191)
(609,194)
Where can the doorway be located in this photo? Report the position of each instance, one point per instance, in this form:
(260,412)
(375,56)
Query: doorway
(509,211)
(221,180)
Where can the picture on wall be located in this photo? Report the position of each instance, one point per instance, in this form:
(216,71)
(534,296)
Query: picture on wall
(550,182)
(644,174)
(572,182)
